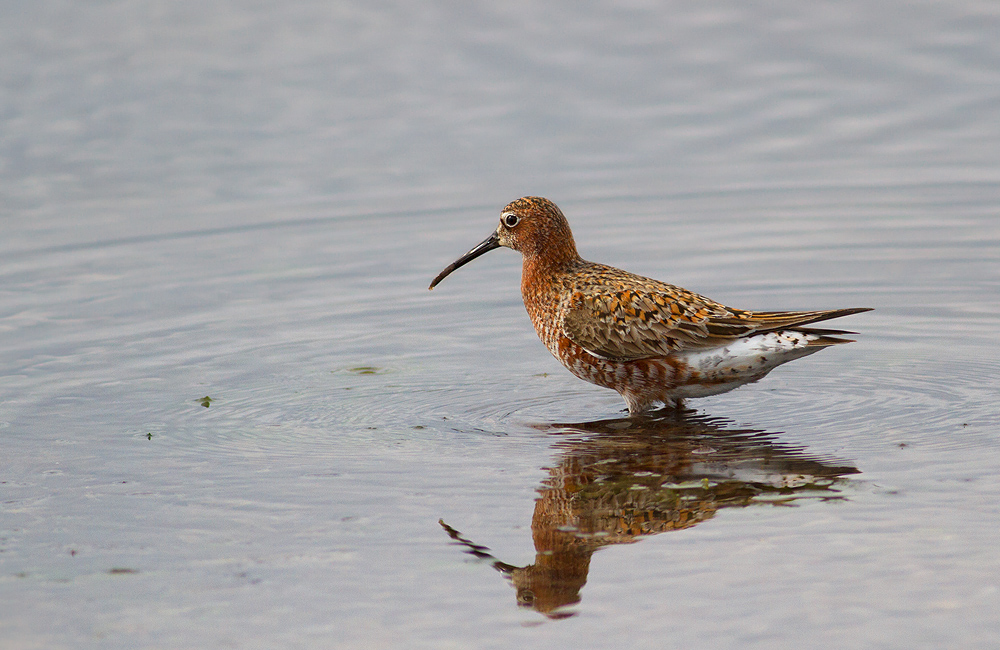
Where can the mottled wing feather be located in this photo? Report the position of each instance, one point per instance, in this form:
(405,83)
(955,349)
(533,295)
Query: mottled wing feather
(631,317)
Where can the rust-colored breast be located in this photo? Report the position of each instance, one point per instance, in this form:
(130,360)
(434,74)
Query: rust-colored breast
(549,301)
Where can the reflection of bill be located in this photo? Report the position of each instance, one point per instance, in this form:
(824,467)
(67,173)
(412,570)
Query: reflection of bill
(617,480)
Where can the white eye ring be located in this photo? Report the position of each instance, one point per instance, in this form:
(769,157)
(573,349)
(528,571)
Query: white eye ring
(510,219)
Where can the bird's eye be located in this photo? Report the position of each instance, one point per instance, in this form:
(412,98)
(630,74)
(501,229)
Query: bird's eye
(511,220)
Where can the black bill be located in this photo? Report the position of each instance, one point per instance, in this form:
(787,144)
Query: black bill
(488,244)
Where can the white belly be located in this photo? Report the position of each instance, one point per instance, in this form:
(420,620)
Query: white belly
(743,361)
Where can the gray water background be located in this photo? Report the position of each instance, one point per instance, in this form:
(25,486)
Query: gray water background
(246,201)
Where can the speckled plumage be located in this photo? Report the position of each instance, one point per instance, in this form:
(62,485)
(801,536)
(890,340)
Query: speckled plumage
(649,340)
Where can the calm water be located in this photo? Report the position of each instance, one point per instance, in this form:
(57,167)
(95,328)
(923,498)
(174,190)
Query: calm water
(246,203)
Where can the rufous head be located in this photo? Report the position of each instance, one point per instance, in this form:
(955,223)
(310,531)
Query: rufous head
(531,225)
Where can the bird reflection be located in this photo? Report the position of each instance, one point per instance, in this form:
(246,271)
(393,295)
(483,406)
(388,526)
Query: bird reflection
(618,480)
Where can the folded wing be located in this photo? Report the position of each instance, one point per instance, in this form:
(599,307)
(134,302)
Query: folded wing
(623,321)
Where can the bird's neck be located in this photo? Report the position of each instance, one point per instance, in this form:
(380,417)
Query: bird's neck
(552,262)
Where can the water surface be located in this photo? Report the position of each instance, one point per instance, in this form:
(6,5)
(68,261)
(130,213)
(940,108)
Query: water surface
(246,203)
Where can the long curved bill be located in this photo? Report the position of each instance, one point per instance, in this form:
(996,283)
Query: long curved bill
(488,244)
